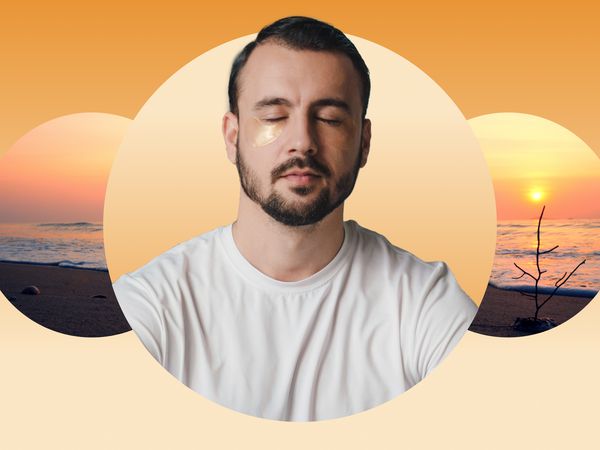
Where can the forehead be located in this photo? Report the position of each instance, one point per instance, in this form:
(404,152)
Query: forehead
(300,76)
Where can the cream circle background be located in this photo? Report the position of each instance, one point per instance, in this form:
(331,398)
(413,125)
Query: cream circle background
(426,186)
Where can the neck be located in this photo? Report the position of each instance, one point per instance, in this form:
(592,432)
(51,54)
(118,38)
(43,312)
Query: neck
(283,252)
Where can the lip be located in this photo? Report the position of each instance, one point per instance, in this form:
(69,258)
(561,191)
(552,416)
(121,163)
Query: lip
(302,178)
(299,173)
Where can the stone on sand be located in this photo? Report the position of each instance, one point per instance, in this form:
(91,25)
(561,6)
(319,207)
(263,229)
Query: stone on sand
(31,290)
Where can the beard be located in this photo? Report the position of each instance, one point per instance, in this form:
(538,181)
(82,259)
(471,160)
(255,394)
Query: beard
(295,214)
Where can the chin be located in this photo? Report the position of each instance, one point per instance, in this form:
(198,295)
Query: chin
(303,191)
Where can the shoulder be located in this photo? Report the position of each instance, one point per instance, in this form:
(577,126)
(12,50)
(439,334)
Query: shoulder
(377,251)
(421,278)
(177,261)
(164,282)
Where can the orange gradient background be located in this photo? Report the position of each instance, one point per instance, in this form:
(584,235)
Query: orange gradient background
(64,392)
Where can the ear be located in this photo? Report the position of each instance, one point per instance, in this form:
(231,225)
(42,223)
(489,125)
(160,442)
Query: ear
(365,145)
(230,134)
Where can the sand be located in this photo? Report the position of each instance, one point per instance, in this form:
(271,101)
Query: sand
(66,301)
(499,309)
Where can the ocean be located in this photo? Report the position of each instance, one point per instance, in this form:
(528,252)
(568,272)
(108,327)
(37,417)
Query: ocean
(577,239)
(77,244)
(80,245)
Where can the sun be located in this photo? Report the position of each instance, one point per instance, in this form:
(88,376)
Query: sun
(536,195)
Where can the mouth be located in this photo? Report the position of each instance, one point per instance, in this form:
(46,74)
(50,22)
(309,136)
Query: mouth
(301,177)
(300,173)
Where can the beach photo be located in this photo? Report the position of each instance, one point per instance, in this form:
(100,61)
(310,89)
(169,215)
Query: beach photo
(547,184)
(52,263)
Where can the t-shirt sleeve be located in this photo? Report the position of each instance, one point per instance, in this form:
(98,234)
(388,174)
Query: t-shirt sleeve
(443,315)
(140,309)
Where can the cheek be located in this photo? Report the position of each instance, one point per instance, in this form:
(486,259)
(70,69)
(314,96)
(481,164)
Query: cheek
(341,148)
(261,134)
(257,164)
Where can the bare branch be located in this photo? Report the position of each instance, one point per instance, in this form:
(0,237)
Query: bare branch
(561,281)
(537,252)
(558,285)
(524,271)
(548,251)
(558,281)
(572,272)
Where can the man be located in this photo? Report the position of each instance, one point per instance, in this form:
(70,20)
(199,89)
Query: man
(291,313)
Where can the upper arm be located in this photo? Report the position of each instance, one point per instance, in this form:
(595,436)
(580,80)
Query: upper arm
(442,314)
(142,311)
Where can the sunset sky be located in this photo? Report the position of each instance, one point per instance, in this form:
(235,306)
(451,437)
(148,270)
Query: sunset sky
(535,162)
(57,172)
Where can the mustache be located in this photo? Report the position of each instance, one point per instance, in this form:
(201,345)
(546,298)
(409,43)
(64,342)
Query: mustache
(301,163)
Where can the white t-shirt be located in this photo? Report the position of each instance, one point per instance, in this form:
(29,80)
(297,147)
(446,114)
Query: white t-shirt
(362,330)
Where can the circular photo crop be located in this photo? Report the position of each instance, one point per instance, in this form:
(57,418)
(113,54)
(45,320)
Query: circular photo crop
(547,183)
(52,186)
(300,229)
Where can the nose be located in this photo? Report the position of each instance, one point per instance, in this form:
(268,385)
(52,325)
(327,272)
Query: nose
(302,136)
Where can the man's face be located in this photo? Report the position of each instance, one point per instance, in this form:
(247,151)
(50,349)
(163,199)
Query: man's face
(299,139)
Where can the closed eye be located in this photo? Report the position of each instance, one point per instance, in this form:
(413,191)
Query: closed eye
(274,119)
(332,122)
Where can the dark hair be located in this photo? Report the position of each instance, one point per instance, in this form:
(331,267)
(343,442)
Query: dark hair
(302,33)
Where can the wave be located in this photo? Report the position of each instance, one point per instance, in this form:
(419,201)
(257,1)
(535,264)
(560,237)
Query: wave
(550,224)
(544,290)
(66,264)
(547,256)
(65,224)
(68,225)
(513,225)
(85,227)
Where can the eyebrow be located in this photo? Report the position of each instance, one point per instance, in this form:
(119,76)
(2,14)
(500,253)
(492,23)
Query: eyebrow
(332,102)
(280,101)
(271,101)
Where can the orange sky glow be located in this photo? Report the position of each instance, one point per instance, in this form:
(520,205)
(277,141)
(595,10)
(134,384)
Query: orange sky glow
(58,171)
(535,162)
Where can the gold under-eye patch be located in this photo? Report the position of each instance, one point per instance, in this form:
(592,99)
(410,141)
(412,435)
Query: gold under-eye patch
(265,133)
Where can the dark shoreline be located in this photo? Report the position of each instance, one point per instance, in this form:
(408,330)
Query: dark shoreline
(501,307)
(545,290)
(56,264)
(74,301)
